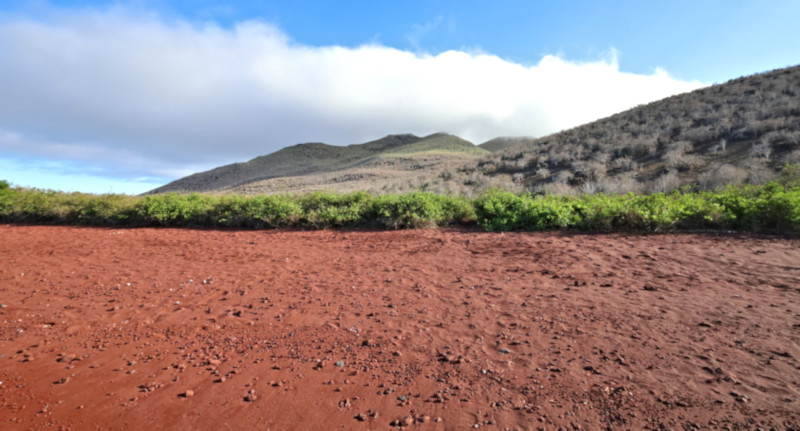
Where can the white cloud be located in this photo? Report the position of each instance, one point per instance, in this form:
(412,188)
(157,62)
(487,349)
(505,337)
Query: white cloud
(131,93)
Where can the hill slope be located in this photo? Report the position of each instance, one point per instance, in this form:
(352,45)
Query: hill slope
(393,161)
(502,143)
(743,131)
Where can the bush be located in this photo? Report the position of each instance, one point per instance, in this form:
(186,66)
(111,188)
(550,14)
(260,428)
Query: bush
(321,209)
(501,211)
(769,208)
(774,207)
(172,209)
(272,211)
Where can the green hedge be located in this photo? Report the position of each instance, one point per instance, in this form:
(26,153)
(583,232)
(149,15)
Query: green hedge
(774,207)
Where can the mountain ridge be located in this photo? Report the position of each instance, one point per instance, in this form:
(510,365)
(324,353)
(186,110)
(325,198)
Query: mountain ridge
(740,132)
(319,158)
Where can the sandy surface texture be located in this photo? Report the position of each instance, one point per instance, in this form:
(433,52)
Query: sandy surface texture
(432,329)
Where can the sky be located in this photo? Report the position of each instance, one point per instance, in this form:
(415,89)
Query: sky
(123,97)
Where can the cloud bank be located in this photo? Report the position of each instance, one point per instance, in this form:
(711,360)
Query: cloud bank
(135,96)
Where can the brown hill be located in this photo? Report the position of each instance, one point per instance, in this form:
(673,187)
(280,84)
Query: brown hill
(504,142)
(395,162)
(743,131)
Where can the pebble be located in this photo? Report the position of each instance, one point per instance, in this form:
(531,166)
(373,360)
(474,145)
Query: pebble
(188,394)
(251,396)
(505,351)
(339,364)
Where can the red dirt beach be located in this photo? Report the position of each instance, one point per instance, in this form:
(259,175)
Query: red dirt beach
(427,329)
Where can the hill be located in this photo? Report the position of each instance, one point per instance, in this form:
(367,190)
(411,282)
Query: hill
(502,143)
(392,163)
(742,131)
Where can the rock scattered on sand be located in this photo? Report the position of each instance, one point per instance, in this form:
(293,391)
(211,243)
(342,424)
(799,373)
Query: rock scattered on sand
(188,394)
(251,396)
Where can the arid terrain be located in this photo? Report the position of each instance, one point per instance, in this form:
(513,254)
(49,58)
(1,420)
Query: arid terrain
(427,329)
(744,131)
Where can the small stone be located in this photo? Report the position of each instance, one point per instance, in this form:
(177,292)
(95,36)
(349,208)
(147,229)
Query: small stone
(424,419)
(437,419)
(188,394)
(505,351)
(339,364)
(407,421)
(251,396)
(361,417)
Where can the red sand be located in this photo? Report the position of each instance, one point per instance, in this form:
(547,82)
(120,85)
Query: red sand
(435,329)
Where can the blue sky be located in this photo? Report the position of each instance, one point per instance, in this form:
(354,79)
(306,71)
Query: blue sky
(126,96)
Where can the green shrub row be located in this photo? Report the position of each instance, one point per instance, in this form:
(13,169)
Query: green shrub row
(769,208)
(315,210)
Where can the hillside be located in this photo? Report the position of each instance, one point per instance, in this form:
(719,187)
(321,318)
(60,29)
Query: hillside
(502,143)
(395,161)
(742,131)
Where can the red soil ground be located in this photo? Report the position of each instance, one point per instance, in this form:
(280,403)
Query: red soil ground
(431,329)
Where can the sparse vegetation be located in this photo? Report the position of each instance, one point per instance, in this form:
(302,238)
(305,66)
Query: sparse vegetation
(395,163)
(774,207)
(740,132)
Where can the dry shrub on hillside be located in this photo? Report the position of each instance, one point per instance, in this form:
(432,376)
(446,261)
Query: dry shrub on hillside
(666,182)
(792,158)
(742,131)
(719,175)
